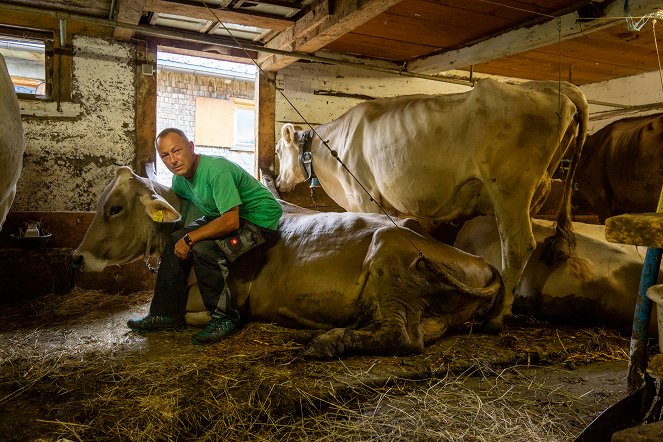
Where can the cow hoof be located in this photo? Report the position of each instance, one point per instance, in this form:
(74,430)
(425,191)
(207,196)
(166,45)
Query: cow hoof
(326,346)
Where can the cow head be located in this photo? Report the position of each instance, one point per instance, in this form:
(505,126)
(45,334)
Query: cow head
(291,171)
(133,220)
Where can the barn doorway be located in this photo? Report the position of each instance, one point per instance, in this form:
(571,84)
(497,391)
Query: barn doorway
(212,101)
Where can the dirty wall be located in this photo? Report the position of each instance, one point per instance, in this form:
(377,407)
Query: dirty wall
(73,149)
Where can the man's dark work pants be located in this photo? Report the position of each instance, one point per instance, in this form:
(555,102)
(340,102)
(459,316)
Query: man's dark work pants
(211,266)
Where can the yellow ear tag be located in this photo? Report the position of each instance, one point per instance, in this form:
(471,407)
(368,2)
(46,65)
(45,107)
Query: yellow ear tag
(158,216)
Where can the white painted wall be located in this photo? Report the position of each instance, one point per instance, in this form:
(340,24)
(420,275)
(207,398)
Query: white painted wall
(305,84)
(632,91)
(71,155)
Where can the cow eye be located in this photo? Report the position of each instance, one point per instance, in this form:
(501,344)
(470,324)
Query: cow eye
(114,210)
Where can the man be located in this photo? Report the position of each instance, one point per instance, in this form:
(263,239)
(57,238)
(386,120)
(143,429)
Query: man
(239,214)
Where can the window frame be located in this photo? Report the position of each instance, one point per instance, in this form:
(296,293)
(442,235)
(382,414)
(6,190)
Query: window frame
(57,64)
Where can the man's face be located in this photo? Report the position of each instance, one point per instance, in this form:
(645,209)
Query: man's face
(177,154)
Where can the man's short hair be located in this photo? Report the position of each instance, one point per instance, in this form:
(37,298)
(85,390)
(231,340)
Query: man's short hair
(171,130)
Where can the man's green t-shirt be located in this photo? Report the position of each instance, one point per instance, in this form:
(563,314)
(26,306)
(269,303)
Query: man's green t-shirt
(219,185)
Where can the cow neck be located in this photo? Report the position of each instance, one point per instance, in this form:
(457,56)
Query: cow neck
(306,157)
(154,244)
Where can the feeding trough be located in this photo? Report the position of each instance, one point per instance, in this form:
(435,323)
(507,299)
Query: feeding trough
(32,235)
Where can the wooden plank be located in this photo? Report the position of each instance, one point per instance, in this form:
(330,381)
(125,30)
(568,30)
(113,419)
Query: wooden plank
(265,102)
(94,8)
(640,229)
(191,9)
(196,50)
(346,16)
(311,20)
(407,29)
(35,20)
(146,110)
(525,39)
(370,46)
(128,11)
(515,10)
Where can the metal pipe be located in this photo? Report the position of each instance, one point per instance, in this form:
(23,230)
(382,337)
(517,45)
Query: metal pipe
(605,103)
(111,10)
(63,33)
(156,31)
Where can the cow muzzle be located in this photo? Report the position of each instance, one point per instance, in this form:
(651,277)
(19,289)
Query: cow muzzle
(77,262)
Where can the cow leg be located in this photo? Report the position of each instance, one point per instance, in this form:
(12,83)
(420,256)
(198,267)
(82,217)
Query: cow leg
(518,243)
(398,336)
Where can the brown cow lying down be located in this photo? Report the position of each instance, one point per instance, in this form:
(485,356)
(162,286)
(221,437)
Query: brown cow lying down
(598,285)
(354,275)
(620,169)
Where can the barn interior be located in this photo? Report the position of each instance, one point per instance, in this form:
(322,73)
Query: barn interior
(116,72)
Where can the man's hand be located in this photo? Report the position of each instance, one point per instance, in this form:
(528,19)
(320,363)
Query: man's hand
(182,250)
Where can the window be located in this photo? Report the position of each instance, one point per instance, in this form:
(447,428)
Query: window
(244,133)
(26,62)
(228,124)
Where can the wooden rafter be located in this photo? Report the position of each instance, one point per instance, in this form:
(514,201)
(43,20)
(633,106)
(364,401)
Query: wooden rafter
(242,18)
(128,11)
(321,26)
(521,40)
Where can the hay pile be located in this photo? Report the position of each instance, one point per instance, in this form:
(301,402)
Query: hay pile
(69,369)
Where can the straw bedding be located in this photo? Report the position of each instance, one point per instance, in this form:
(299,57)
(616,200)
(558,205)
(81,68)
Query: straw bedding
(69,369)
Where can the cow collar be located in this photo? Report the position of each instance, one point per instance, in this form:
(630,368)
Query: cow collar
(306,157)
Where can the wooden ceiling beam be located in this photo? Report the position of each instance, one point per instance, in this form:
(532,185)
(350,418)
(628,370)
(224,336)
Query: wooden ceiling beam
(128,11)
(521,40)
(321,26)
(241,18)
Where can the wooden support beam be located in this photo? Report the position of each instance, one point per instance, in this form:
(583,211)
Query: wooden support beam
(265,105)
(521,40)
(128,11)
(196,50)
(146,110)
(192,9)
(321,26)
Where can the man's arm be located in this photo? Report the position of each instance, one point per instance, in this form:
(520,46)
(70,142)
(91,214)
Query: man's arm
(228,222)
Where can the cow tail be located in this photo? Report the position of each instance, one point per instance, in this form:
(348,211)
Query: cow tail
(558,247)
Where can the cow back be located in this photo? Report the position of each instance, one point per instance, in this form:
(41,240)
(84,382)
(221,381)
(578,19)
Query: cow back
(11,141)
(622,168)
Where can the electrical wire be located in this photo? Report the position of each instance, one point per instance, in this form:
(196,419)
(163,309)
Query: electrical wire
(332,152)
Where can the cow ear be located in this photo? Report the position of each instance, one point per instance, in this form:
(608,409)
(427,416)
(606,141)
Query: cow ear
(158,209)
(288,133)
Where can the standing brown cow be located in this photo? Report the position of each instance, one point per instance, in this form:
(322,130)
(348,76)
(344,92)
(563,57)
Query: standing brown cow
(621,168)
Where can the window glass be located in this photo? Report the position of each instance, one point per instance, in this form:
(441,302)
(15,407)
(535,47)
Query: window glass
(26,63)
(244,128)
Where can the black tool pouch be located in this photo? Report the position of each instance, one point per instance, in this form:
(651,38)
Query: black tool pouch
(241,241)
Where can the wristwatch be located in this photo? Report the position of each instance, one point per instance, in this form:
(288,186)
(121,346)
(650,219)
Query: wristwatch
(187,240)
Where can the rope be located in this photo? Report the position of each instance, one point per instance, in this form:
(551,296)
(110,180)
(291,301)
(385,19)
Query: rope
(658,56)
(306,122)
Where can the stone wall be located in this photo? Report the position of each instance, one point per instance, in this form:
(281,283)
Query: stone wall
(72,150)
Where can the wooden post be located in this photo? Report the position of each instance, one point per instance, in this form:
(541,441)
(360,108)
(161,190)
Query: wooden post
(146,109)
(265,102)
